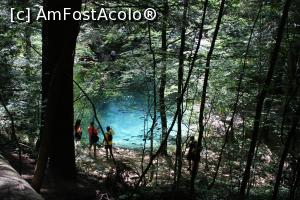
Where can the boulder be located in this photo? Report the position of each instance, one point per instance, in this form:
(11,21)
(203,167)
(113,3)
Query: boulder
(13,186)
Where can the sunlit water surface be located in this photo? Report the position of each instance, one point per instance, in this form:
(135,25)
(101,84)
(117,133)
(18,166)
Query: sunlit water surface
(129,118)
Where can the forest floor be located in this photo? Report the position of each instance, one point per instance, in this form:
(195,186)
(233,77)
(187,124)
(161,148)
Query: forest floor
(129,162)
(97,177)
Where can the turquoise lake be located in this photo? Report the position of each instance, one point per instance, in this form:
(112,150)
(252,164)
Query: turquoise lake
(129,118)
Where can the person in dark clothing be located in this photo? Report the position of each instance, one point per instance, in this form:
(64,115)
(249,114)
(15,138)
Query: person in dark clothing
(78,130)
(192,151)
(93,136)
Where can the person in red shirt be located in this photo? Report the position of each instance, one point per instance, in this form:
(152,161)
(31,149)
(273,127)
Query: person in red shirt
(93,136)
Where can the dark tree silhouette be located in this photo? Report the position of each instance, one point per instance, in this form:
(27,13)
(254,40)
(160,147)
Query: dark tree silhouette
(203,97)
(237,99)
(163,76)
(261,97)
(178,159)
(59,41)
(285,152)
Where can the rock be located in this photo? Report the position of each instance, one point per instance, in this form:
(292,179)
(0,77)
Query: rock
(13,186)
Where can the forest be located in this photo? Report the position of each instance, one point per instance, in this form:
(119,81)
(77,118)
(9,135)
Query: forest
(154,99)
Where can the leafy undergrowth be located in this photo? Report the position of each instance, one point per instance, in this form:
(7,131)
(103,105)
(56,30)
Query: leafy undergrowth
(120,185)
(158,182)
(97,177)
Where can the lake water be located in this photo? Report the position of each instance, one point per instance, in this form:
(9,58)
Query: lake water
(128,117)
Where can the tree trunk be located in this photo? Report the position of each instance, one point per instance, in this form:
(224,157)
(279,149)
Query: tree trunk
(261,97)
(295,182)
(203,97)
(57,142)
(178,161)
(164,141)
(236,103)
(163,77)
(14,137)
(154,117)
(287,145)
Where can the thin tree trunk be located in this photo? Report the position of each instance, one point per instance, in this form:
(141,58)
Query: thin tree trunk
(252,182)
(31,101)
(145,141)
(180,99)
(261,97)
(203,97)
(154,91)
(163,77)
(296,182)
(146,116)
(154,118)
(285,152)
(242,147)
(13,132)
(236,103)
(178,161)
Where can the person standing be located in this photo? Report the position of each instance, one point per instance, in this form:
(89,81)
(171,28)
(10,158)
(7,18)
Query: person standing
(78,130)
(192,152)
(108,141)
(93,136)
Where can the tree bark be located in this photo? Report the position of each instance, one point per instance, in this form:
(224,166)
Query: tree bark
(236,103)
(178,161)
(57,142)
(163,77)
(13,131)
(164,141)
(295,182)
(154,117)
(261,97)
(285,152)
(203,97)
